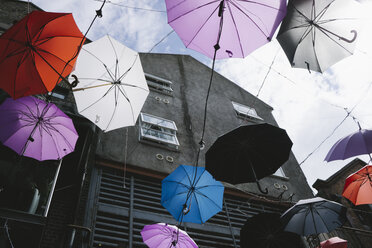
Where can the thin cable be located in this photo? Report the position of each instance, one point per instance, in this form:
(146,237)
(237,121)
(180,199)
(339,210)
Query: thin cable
(160,41)
(268,71)
(125,156)
(7,233)
(136,8)
(343,120)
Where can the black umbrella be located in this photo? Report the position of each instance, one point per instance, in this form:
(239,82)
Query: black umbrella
(265,230)
(248,154)
(316,34)
(314,216)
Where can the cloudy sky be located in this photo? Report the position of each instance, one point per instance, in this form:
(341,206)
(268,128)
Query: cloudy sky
(310,106)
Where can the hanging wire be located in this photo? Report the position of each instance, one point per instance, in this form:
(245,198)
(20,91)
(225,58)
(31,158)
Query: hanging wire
(343,120)
(259,90)
(7,233)
(125,156)
(131,7)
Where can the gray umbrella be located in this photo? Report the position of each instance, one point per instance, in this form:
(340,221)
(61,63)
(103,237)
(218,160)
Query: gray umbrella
(316,34)
(314,216)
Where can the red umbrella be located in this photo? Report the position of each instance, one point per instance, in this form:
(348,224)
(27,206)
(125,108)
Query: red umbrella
(334,242)
(37,51)
(358,186)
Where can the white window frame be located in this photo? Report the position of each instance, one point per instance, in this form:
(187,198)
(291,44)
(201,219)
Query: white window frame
(156,129)
(159,84)
(243,111)
(280,173)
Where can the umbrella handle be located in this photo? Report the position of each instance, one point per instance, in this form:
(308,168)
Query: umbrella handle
(265,192)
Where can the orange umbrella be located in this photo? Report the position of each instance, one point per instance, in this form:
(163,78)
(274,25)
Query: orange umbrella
(37,51)
(334,242)
(358,186)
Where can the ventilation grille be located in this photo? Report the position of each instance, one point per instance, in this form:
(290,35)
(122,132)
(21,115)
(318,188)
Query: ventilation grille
(112,217)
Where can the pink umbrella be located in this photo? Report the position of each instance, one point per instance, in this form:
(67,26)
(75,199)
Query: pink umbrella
(237,27)
(36,129)
(334,242)
(162,235)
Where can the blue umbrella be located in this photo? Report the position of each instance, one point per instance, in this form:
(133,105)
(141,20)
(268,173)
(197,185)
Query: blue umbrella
(191,194)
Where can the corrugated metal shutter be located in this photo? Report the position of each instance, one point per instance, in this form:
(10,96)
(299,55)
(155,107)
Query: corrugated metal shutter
(113,220)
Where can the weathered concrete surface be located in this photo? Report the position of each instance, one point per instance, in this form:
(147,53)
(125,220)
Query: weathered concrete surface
(186,108)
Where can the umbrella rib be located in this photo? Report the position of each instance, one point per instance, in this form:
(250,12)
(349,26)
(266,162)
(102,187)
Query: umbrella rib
(197,203)
(125,73)
(202,194)
(122,91)
(327,33)
(115,108)
(236,28)
(328,229)
(202,26)
(104,65)
(188,12)
(257,26)
(99,99)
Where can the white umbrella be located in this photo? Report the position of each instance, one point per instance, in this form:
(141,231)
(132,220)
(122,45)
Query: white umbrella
(112,86)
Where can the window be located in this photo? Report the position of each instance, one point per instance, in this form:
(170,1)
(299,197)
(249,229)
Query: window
(279,173)
(245,112)
(158,130)
(159,84)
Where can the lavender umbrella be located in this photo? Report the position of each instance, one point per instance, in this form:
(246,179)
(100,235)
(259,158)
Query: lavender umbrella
(36,129)
(162,235)
(355,144)
(238,27)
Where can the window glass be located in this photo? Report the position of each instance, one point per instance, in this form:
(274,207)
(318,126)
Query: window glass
(245,111)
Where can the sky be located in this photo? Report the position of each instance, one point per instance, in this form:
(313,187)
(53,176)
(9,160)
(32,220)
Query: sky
(309,106)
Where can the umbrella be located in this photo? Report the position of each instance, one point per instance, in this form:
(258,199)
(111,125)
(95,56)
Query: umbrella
(162,235)
(358,186)
(112,88)
(234,28)
(314,216)
(334,242)
(265,230)
(191,194)
(248,153)
(36,129)
(316,34)
(37,52)
(355,144)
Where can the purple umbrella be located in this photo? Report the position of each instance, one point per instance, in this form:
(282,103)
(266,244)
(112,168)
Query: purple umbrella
(355,144)
(237,27)
(36,129)
(162,235)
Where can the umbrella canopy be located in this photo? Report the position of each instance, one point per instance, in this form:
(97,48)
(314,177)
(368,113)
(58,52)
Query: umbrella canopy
(36,129)
(334,242)
(238,27)
(248,153)
(37,51)
(163,235)
(358,186)
(265,230)
(112,88)
(314,216)
(191,194)
(316,34)
(355,144)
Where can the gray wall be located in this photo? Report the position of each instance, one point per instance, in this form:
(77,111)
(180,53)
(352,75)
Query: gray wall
(190,80)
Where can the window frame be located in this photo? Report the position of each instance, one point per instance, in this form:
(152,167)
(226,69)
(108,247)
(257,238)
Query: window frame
(163,130)
(250,114)
(158,84)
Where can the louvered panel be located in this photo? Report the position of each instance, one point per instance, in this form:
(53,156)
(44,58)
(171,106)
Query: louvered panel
(112,218)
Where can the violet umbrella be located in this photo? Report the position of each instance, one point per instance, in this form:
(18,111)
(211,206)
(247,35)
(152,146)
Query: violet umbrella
(36,129)
(224,28)
(162,235)
(357,143)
